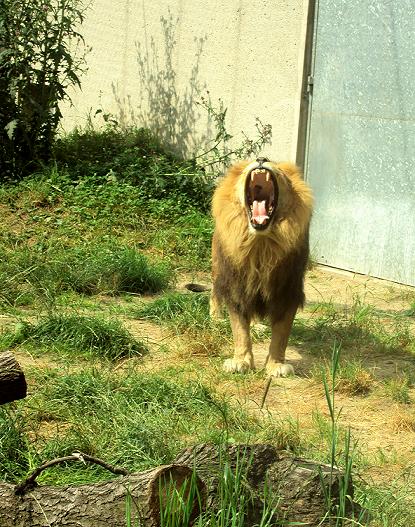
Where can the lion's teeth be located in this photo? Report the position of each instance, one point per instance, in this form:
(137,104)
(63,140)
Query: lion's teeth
(267,176)
(252,176)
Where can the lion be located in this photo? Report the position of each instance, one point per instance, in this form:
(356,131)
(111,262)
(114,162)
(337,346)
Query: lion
(262,212)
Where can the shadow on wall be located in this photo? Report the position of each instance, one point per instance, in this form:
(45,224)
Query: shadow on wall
(171,114)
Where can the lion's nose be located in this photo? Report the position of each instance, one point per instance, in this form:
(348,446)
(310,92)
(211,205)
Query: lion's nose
(261,161)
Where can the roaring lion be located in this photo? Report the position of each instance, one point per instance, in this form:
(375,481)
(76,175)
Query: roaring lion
(262,213)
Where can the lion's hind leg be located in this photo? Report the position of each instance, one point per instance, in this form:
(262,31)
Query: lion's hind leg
(276,365)
(243,359)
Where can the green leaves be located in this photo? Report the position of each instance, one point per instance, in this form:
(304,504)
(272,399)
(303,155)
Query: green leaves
(41,57)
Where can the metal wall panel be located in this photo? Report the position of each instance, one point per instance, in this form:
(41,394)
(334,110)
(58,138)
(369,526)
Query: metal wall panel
(361,145)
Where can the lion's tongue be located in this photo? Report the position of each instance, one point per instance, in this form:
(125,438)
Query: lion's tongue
(259,212)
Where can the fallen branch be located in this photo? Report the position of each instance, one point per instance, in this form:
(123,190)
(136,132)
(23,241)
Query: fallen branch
(30,481)
(298,491)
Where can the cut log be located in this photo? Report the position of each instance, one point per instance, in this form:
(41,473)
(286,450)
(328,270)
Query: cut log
(308,492)
(12,380)
(299,490)
(138,496)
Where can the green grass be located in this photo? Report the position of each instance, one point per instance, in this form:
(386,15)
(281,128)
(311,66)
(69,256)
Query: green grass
(81,334)
(135,419)
(183,311)
(118,215)
(188,314)
(48,214)
(40,273)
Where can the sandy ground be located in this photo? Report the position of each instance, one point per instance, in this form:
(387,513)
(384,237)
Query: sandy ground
(383,430)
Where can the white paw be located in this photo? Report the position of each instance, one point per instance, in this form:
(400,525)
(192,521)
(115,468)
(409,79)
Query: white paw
(236,366)
(278,369)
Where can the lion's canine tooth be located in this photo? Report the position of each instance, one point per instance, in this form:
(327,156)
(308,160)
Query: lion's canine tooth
(267,176)
(252,176)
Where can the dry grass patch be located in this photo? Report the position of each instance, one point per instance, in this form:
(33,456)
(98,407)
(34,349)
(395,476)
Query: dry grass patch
(352,378)
(403,421)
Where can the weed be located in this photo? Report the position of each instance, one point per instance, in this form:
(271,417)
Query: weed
(398,389)
(351,378)
(341,508)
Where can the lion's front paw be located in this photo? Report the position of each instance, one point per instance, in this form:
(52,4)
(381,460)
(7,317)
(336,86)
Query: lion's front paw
(279,369)
(236,366)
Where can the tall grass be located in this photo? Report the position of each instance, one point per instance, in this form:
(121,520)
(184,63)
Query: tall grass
(135,419)
(86,335)
(38,273)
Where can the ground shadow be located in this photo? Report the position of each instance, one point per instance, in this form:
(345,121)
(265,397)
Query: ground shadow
(385,353)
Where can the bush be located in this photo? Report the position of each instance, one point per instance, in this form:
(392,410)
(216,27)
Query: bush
(37,66)
(134,156)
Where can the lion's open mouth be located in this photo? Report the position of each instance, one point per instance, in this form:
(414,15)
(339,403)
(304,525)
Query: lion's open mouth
(261,194)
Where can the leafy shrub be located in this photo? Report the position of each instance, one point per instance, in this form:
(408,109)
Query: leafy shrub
(37,66)
(135,156)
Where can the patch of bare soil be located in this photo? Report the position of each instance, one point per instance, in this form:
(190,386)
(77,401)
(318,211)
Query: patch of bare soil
(383,429)
(326,284)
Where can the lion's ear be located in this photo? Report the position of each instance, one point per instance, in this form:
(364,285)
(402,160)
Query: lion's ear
(289,169)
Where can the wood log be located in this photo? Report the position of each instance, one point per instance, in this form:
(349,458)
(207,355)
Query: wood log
(298,489)
(307,492)
(12,380)
(144,494)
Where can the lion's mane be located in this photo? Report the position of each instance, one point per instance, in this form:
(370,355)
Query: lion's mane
(261,273)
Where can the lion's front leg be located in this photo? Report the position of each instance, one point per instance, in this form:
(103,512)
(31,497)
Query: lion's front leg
(243,359)
(215,308)
(276,365)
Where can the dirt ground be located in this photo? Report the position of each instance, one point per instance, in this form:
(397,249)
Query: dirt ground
(383,430)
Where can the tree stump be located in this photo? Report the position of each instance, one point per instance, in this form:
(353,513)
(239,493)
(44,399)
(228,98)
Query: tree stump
(144,494)
(12,380)
(305,491)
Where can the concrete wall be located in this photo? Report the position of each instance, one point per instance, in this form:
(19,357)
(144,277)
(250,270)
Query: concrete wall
(151,61)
